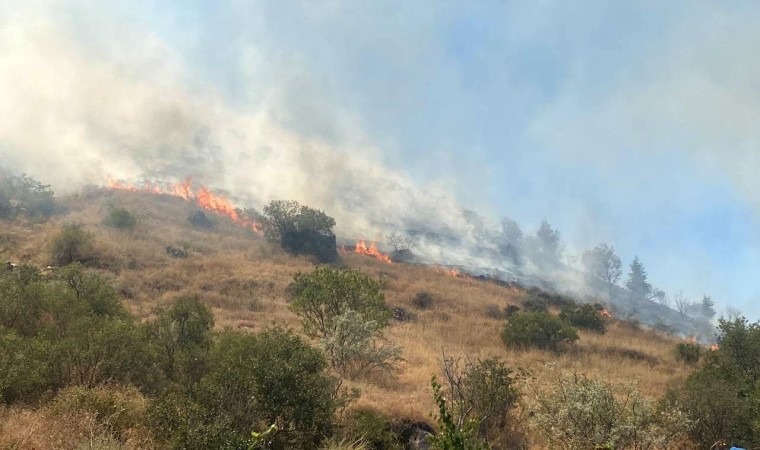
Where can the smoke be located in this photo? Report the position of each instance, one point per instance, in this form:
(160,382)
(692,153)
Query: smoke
(77,109)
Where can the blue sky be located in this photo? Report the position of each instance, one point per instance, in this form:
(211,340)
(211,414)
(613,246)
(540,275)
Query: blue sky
(632,123)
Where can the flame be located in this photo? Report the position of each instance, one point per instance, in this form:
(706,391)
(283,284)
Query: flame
(605,313)
(692,339)
(362,249)
(714,348)
(202,197)
(454,273)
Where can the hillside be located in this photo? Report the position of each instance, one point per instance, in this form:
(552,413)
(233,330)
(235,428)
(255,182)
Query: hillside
(242,279)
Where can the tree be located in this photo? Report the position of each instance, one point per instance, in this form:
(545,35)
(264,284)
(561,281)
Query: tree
(120,218)
(346,311)
(400,241)
(511,241)
(300,229)
(603,265)
(545,247)
(638,285)
(282,216)
(25,195)
(707,307)
(181,336)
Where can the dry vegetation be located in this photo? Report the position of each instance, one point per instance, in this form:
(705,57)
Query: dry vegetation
(243,279)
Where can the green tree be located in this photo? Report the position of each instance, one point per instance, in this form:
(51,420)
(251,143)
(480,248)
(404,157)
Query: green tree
(182,337)
(540,330)
(707,307)
(603,266)
(638,285)
(346,311)
(282,216)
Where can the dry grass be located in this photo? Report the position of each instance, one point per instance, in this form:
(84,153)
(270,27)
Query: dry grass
(243,280)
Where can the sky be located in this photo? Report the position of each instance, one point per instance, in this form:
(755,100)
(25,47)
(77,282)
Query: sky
(629,123)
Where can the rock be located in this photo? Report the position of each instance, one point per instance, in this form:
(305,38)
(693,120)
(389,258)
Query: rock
(405,256)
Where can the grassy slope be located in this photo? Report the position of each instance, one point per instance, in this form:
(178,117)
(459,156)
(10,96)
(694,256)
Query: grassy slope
(243,280)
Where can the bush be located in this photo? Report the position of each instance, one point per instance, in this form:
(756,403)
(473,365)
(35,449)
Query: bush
(253,381)
(688,353)
(181,337)
(119,218)
(451,434)
(538,330)
(484,393)
(581,413)
(583,316)
(722,396)
(373,429)
(120,410)
(72,244)
(346,311)
(535,304)
(423,300)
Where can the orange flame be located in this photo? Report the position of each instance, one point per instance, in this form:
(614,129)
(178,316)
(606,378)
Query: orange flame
(202,196)
(362,249)
(714,348)
(605,313)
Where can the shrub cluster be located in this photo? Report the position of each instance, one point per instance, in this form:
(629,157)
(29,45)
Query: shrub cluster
(722,396)
(23,195)
(120,218)
(346,311)
(585,316)
(69,334)
(688,352)
(582,413)
(540,330)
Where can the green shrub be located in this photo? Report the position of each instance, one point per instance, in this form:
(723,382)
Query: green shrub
(722,396)
(584,316)
(72,244)
(581,413)
(452,435)
(181,337)
(120,218)
(688,353)
(539,330)
(253,381)
(346,311)
(535,304)
(119,409)
(373,429)
(484,392)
